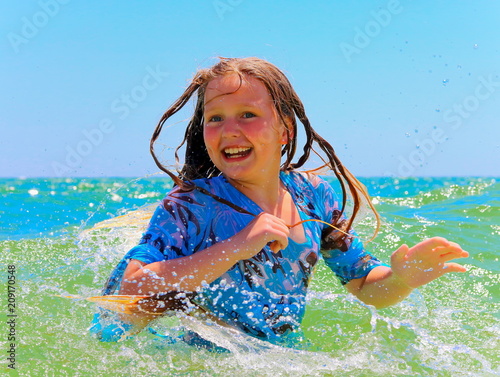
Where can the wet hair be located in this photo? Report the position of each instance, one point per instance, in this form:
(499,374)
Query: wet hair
(289,107)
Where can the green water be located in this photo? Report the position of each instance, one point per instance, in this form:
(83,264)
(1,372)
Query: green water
(451,327)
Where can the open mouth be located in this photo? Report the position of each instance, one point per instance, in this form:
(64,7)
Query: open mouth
(237,152)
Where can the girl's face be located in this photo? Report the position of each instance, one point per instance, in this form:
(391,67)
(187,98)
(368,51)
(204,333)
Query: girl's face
(242,131)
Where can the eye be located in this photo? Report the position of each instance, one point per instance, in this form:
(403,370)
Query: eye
(249,115)
(215,118)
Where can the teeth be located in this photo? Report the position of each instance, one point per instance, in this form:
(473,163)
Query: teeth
(233,151)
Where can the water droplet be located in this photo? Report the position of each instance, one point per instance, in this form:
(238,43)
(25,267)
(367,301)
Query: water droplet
(446,81)
(33,192)
(438,110)
(475,46)
(407,134)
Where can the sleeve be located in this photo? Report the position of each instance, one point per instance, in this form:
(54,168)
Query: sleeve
(165,238)
(354,263)
(162,240)
(345,256)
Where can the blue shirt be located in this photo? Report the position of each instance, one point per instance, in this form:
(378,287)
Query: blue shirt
(265,295)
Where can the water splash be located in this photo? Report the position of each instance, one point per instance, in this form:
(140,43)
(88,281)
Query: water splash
(450,327)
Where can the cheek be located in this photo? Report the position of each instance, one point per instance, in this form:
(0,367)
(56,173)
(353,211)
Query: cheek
(266,135)
(210,138)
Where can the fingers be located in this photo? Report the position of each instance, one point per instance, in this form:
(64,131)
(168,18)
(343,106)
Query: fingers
(447,255)
(276,246)
(277,230)
(271,230)
(435,242)
(280,241)
(400,253)
(453,267)
(429,244)
(450,252)
(445,249)
(427,261)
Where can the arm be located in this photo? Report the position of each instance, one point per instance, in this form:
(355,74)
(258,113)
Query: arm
(410,268)
(191,272)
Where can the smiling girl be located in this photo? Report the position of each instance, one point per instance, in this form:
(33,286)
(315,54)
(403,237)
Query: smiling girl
(243,229)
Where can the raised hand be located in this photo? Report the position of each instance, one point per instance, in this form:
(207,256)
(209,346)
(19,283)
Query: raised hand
(426,261)
(264,229)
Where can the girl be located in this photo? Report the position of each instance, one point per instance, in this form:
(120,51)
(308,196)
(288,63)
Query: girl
(242,230)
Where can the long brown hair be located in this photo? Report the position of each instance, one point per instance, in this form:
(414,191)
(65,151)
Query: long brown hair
(289,107)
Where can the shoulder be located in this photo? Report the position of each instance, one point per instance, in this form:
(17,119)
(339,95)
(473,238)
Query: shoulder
(313,190)
(311,182)
(183,209)
(195,194)
(295,178)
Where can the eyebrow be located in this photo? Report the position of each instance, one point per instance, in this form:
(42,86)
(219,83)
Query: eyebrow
(250,104)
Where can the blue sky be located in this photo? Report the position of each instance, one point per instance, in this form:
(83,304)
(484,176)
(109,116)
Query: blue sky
(398,87)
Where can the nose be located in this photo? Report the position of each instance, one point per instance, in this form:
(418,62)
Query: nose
(231,128)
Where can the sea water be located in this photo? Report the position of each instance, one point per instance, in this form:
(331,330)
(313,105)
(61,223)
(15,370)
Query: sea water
(450,327)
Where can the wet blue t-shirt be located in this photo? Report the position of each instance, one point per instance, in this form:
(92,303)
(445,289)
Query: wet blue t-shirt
(265,295)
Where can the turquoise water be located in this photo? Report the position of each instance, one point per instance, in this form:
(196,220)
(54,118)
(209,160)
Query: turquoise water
(451,327)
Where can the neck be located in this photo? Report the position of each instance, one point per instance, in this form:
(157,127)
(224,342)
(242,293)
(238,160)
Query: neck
(267,195)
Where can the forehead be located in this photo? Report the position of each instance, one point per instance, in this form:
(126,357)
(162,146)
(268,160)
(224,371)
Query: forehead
(236,85)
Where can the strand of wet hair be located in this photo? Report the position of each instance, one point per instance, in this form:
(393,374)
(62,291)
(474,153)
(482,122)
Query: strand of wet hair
(246,212)
(178,105)
(340,171)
